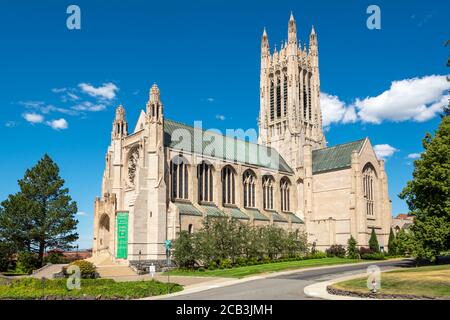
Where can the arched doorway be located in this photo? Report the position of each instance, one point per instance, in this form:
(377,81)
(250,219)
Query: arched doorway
(103,233)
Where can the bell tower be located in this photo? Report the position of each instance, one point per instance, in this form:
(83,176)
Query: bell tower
(290,115)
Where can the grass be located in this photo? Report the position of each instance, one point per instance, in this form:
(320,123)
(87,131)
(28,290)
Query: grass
(431,281)
(31,288)
(240,272)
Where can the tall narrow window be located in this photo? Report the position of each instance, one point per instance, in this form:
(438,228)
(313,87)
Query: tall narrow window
(205,182)
(309,98)
(285,194)
(305,96)
(179,176)
(278,98)
(249,180)
(285,93)
(268,192)
(228,196)
(272,101)
(369,178)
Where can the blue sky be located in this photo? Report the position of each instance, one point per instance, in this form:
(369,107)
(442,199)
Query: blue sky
(204,55)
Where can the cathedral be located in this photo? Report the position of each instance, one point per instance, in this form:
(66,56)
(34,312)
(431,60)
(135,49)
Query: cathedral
(166,176)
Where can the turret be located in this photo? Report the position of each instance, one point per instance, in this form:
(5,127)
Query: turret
(154,106)
(292,31)
(120,125)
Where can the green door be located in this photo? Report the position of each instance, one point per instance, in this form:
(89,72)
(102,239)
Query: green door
(122,235)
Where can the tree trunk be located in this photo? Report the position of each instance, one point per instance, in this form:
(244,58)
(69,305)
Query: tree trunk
(41,252)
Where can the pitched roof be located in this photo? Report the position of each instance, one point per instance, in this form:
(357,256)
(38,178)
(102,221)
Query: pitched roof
(228,148)
(336,157)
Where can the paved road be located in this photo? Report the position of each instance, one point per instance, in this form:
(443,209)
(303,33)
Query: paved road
(284,287)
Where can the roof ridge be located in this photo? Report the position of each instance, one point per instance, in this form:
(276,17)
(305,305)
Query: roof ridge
(341,144)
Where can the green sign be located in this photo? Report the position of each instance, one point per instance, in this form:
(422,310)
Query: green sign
(122,235)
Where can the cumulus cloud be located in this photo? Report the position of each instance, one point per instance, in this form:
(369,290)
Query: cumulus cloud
(417,99)
(384,151)
(89,106)
(413,156)
(220,117)
(81,213)
(58,124)
(106,91)
(33,117)
(335,110)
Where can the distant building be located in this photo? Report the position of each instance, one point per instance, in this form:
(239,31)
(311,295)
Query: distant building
(402,221)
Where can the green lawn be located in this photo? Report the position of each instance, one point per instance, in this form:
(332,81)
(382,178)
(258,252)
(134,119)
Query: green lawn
(432,281)
(31,288)
(241,272)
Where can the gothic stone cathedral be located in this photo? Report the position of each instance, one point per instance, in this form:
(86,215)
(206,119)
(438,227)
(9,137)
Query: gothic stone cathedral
(163,177)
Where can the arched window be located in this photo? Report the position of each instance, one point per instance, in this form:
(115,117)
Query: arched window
(249,180)
(180,178)
(285,93)
(278,98)
(268,192)
(133,159)
(228,196)
(205,182)
(285,186)
(369,177)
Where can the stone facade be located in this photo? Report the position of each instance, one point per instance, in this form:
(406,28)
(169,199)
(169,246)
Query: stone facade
(166,176)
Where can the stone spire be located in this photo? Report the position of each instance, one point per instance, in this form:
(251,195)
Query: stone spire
(265,48)
(154,105)
(292,30)
(120,125)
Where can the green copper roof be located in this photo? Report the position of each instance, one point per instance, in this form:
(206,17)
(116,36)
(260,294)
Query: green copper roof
(213,211)
(294,218)
(277,217)
(336,157)
(223,147)
(257,215)
(238,214)
(188,209)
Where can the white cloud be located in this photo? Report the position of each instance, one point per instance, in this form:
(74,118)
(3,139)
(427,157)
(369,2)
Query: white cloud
(384,151)
(210,99)
(59,124)
(335,110)
(106,91)
(81,213)
(10,124)
(220,117)
(417,99)
(33,117)
(413,156)
(58,90)
(89,106)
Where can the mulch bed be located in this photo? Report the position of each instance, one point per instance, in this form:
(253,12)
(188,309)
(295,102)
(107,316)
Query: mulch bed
(380,295)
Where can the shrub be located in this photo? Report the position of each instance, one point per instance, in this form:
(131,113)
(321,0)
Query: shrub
(252,261)
(241,262)
(266,260)
(336,250)
(392,244)
(212,265)
(27,262)
(6,254)
(87,269)
(373,256)
(183,253)
(317,255)
(201,269)
(225,264)
(352,251)
(365,250)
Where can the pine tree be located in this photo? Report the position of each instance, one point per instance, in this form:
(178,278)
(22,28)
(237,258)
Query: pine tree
(42,214)
(352,250)
(428,195)
(373,242)
(392,244)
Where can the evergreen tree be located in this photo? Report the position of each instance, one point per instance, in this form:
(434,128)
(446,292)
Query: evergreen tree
(373,242)
(428,195)
(392,244)
(42,214)
(352,250)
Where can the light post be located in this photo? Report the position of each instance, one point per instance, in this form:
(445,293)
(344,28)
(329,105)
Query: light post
(139,263)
